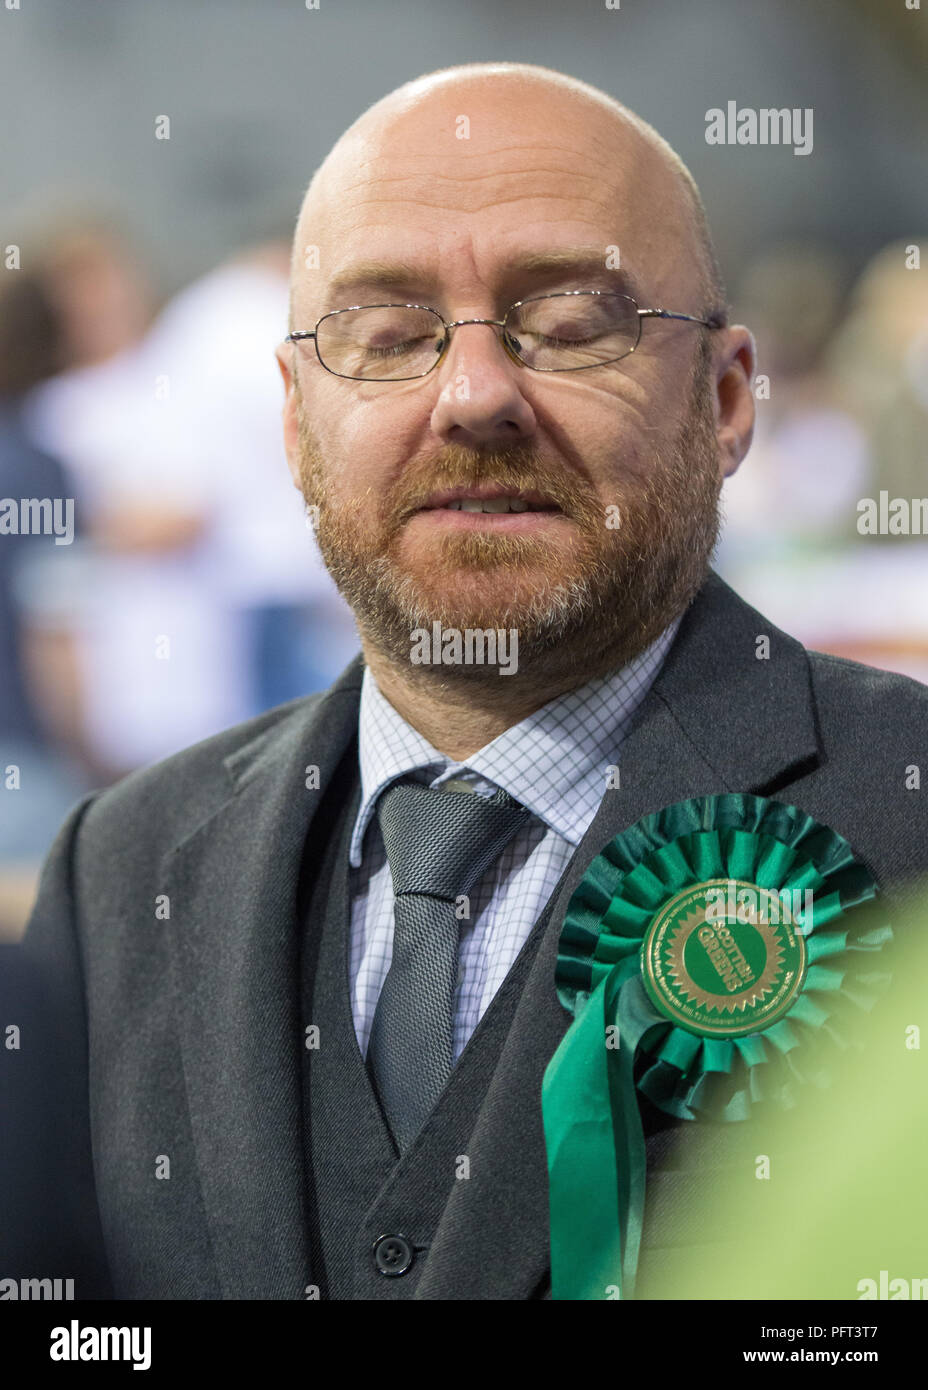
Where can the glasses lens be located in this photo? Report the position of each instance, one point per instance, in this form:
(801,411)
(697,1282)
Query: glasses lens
(385,343)
(563,332)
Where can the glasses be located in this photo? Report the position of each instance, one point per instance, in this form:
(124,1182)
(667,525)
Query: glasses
(567,332)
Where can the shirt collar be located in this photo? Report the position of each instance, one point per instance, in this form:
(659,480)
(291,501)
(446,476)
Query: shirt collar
(554,762)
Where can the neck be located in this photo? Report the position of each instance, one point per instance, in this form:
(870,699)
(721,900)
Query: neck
(460,716)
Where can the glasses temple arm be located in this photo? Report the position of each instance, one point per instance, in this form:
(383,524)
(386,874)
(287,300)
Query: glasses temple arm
(687,318)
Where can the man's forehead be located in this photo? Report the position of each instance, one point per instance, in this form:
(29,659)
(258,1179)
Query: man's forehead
(511,264)
(472,147)
(535,170)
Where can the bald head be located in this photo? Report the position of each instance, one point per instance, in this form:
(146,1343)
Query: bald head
(454,140)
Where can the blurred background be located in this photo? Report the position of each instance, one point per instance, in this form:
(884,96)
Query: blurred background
(143,289)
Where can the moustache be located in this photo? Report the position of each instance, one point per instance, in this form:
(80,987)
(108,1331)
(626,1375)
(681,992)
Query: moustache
(517,468)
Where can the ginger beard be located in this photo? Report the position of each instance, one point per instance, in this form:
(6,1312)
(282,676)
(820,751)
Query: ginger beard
(585,597)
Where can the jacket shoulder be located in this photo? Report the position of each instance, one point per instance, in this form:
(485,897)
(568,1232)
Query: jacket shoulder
(167,800)
(867,697)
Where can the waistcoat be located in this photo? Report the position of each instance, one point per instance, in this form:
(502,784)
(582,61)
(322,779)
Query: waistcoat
(363,1199)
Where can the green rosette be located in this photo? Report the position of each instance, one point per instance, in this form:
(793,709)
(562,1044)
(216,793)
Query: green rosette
(714,957)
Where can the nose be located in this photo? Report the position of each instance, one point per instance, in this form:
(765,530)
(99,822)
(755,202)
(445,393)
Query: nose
(480,400)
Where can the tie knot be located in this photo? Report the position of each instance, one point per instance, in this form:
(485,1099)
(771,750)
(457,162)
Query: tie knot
(442,842)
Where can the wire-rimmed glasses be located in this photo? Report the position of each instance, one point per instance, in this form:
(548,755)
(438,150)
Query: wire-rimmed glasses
(570,331)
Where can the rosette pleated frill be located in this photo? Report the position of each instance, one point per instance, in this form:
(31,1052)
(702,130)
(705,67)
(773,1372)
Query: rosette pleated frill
(704,1061)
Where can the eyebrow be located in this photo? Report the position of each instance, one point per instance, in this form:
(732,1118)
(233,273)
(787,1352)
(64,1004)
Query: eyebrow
(579,263)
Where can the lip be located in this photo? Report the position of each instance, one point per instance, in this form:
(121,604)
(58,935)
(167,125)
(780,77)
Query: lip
(485,493)
(526,522)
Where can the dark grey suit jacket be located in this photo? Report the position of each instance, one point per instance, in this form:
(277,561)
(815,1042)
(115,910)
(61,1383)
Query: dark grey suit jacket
(179,1035)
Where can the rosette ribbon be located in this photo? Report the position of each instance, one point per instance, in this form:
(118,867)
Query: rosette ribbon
(707,1013)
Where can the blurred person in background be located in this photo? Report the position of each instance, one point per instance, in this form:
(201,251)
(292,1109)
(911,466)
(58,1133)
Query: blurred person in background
(40,693)
(809,453)
(211,345)
(132,595)
(843,418)
(878,361)
(199,603)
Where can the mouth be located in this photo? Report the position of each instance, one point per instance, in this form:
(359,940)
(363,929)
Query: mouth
(491,504)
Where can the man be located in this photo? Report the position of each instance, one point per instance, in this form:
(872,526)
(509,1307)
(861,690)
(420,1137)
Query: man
(304,972)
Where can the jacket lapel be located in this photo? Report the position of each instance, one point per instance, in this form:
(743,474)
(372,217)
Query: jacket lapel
(717,719)
(232,885)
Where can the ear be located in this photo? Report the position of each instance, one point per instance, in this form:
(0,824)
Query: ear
(289,416)
(735,361)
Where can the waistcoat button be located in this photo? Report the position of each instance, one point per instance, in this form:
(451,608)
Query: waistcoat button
(393,1254)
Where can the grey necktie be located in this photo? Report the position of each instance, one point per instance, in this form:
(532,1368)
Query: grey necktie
(439,844)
